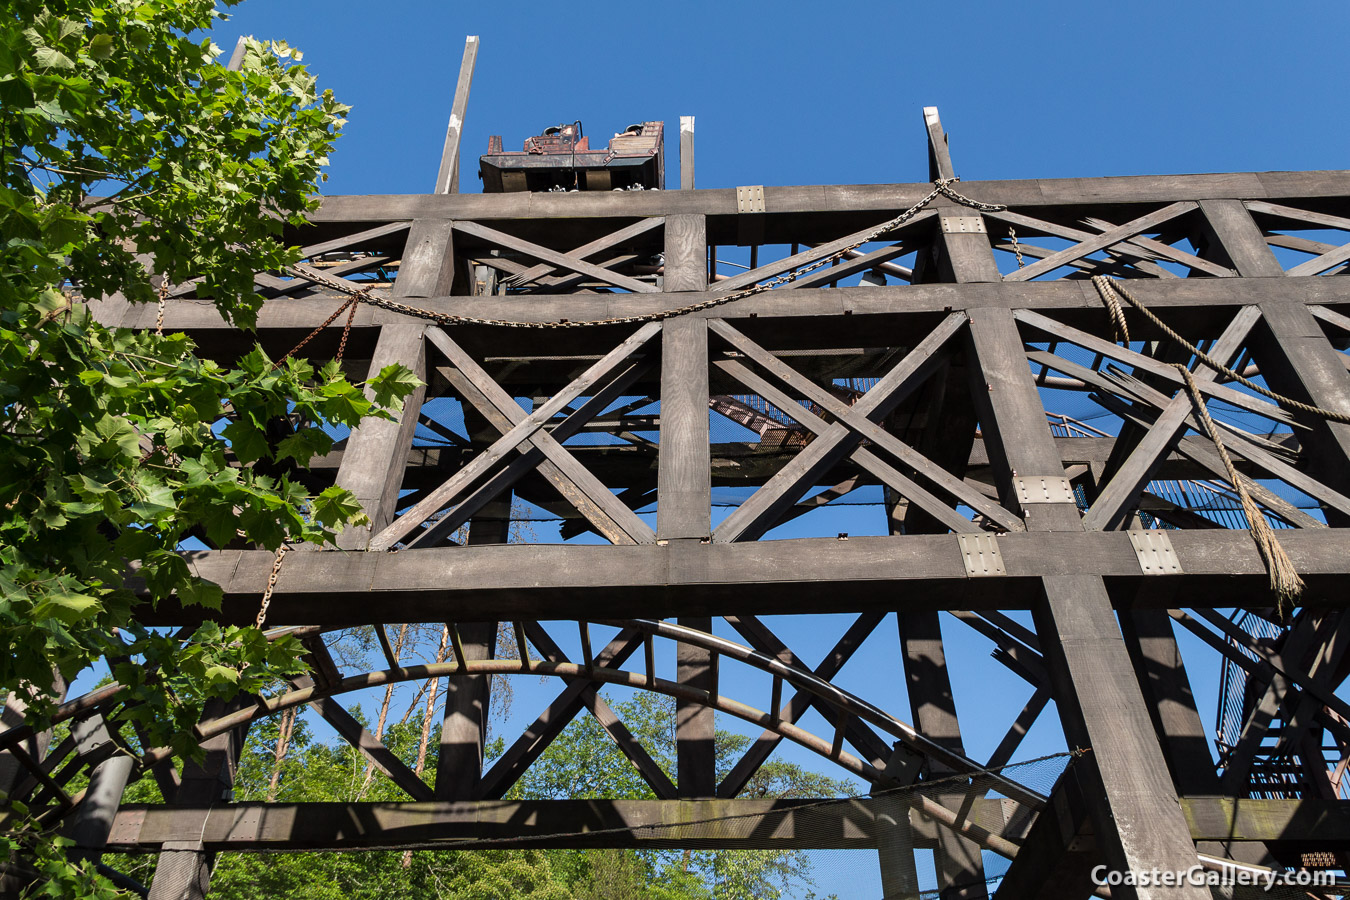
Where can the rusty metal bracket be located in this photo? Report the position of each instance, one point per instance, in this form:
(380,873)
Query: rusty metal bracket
(980,554)
(1154,550)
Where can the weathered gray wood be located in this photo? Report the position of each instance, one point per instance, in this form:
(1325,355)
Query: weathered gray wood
(428,266)
(580,488)
(684,479)
(447,179)
(558,260)
(549,724)
(1163,250)
(695,750)
(1298,361)
(1112,506)
(1102,241)
(523,276)
(93,818)
(861,424)
(957,859)
(686,253)
(763,640)
(1229,226)
(1130,798)
(376,454)
(526,427)
(686,153)
(805,257)
(648,768)
(380,756)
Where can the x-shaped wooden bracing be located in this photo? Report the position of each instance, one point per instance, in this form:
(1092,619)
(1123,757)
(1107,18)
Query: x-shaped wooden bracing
(524,433)
(1123,241)
(843,437)
(1175,416)
(572,262)
(1327,256)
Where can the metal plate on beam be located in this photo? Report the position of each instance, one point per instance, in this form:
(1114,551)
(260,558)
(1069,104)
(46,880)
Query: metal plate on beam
(1154,550)
(750,199)
(963,225)
(1044,489)
(980,554)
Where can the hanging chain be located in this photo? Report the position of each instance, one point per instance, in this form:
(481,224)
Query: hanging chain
(941,187)
(346,329)
(351,303)
(163,299)
(271,586)
(1016,247)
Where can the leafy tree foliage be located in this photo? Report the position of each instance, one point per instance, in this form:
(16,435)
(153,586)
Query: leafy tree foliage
(129,153)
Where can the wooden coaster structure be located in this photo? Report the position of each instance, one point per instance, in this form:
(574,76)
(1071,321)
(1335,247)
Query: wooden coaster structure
(927,380)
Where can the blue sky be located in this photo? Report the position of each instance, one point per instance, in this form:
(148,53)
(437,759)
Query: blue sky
(797,93)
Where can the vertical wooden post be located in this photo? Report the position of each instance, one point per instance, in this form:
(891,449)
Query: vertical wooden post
(686,153)
(93,819)
(377,451)
(686,253)
(428,265)
(684,476)
(695,753)
(1130,797)
(183,871)
(447,178)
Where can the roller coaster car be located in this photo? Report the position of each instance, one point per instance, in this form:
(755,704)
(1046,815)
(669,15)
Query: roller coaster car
(561,159)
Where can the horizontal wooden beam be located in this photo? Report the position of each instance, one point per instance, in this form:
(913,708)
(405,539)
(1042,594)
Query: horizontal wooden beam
(556,581)
(720,824)
(844,198)
(300,314)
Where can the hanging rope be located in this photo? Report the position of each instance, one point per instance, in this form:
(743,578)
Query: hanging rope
(1284,578)
(1110,290)
(941,187)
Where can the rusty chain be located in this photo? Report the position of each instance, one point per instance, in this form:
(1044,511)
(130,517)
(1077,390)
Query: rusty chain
(271,586)
(941,187)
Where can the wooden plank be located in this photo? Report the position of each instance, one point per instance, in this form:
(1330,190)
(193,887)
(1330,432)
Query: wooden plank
(1102,241)
(629,232)
(1235,236)
(686,153)
(1112,506)
(526,427)
(805,257)
(580,488)
(1130,799)
(1152,366)
(531,457)
(763,640)
(684,477)
(1167,251)
(377,450)
(686,254)
(558,260)
(846,444)
(695,747)
(1304,216)
(862,425)
(549,724)
(447,179)
(861,262)
(380,756)
(648,768)
(428,266)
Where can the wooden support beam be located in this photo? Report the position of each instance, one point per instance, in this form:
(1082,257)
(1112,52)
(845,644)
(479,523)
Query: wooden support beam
(428,265)
(380,756)
(686,153)
(447,179)
(556,259)
(376,453)
(1102,241)
(684,477)
(1131,801)
(686,254)
(524,276)
(695,751)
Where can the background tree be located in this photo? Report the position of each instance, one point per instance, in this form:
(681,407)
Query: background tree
(129,153)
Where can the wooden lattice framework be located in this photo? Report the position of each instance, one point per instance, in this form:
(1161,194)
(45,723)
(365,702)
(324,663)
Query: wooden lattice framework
(990,509)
